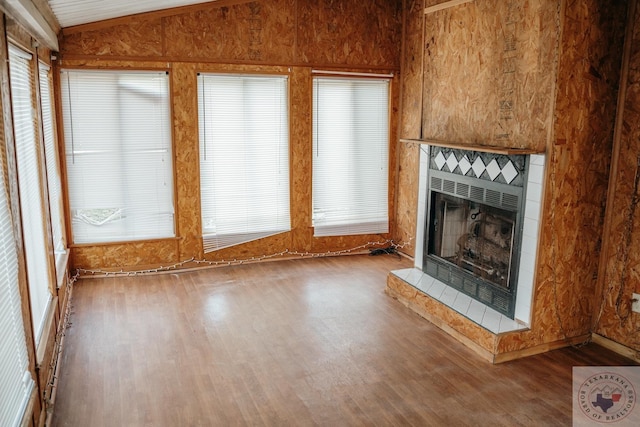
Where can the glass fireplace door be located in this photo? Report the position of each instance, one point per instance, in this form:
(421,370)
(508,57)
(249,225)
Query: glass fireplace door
(476,237)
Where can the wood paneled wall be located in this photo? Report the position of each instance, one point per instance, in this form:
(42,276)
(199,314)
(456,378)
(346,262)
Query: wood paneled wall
(620,276)
(543,75)
(281,36)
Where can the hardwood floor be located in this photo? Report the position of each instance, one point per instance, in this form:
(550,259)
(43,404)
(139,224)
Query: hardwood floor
(289,343)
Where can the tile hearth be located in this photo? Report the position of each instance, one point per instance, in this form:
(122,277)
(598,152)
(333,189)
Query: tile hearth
(472,309)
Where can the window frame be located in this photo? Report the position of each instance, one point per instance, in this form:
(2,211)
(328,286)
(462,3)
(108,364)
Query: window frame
(350,225)
(166,144)
(212,242)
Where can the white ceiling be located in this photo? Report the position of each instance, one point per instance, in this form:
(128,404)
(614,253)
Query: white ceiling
(77,12)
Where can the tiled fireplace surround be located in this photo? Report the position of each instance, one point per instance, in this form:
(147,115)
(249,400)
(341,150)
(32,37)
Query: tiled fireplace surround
(467,319)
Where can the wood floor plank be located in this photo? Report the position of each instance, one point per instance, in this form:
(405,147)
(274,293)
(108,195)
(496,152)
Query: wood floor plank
(289,343)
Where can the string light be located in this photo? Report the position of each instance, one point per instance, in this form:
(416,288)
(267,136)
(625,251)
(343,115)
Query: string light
(84,272)
(57,346)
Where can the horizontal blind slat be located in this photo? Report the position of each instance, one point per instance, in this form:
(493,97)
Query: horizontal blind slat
(16,383)
(30,186)
(244,158)
(119,156)
(350,156)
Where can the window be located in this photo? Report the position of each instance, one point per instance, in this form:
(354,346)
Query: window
(53,170)
(118,155)
(30,186)
(244,158)
(16,384)
(350,156)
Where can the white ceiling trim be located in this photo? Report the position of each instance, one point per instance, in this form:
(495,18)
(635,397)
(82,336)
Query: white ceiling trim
(77,12)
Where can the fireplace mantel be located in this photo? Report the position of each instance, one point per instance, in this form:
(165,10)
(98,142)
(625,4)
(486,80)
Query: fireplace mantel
(474,147)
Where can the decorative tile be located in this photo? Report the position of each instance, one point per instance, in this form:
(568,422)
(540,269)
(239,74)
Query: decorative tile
(493,169)
(452,162)
(478,167)
(440,160)
(464,165)
(509,172)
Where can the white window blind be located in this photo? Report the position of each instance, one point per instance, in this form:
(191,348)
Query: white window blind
(29,183)
(118,155)
(53,169)
(16,383)
(244,158)
(350,156)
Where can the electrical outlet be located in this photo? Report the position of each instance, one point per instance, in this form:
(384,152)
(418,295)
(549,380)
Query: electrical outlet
(635,304)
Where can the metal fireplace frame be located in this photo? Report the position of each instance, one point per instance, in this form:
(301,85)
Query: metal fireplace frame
(489,188)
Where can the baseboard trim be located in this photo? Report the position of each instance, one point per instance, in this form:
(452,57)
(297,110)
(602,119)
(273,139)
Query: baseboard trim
(541,348)
(616,347)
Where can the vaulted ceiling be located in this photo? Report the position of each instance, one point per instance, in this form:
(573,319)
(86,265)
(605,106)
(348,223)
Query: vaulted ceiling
(77,12)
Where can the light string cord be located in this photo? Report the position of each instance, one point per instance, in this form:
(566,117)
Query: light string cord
(48,392)
(82,272)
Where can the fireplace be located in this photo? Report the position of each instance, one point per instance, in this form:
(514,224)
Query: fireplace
(475,212)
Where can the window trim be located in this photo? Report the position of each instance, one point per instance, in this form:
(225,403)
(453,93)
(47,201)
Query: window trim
(347,227)
(171,155)
(209,240)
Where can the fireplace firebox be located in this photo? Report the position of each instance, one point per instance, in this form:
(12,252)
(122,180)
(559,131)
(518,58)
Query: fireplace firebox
(474,223)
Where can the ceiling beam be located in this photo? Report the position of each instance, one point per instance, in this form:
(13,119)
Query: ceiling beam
(29,14)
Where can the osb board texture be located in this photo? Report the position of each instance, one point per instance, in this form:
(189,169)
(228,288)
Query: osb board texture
(141,38)
(301,83)
(407,195)
(18,35)
(349,32)
(130,256)
(408,156)
(324,32)
(256,31)
(615,320)
(412,51)
(184,98)
(422,303)
(126,255)
(489,73)
(577,175)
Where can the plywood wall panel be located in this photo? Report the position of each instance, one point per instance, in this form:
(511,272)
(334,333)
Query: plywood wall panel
(486,77)
(314,32)
(579,160)
(621,277)
(349,32)
(184,98)
(261,31)
(301,156)
(140,38)
(126,256)
(410,124)
(407,196)
(412,76)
